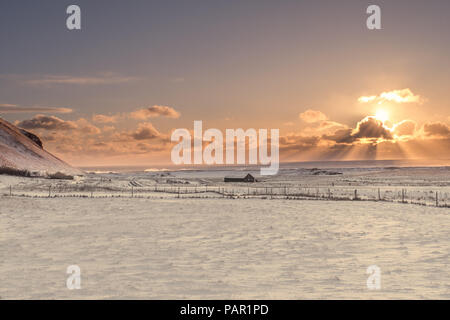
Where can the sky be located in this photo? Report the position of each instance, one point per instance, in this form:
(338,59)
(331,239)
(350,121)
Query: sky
(112,92)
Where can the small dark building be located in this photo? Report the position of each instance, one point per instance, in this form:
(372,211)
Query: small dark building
(247,178)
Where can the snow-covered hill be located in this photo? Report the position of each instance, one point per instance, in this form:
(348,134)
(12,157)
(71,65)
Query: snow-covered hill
(21,150)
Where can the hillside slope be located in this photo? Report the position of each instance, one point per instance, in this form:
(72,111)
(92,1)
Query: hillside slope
(21,150)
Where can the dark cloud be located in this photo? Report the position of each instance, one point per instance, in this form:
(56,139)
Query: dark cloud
(298,143)
(47,122)
(372,128)
(341,136)
(436,129)
(368,128)
(145,131)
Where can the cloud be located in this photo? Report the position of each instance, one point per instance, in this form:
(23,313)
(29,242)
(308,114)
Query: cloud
(437,129)
(364,99)
(101,118)
(100,79)
(317,124)
(398,96)
(108,128)
(368,128)
(145,131)
(47,122)
(86,127)
(298,143)
(52,123)
(369,139)
(155,111)
(312,116)
(404,128)
(341,136)
(82,144)
(12,108)
(324,127)
(141,114)
(371,128)
(299,140)
(81,140)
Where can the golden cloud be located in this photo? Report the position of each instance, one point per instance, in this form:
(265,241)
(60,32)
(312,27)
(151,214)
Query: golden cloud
(311,116)
(101,118)
(155,111)
(405,128)
(397,96)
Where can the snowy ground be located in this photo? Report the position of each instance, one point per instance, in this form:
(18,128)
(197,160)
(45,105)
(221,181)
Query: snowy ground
(412,185)
(221,248)
(187,234)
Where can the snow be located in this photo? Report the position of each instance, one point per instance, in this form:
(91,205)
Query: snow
(19,152)
(134,236)
(221,248)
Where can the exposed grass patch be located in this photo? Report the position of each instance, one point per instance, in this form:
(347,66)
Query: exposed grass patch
(15,172)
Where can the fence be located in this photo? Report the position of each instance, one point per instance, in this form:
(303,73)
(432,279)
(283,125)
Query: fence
(418,195)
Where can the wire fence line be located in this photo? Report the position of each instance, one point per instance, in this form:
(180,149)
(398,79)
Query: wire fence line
(437,198)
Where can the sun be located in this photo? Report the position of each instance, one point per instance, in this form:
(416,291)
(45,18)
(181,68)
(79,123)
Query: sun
(382,115)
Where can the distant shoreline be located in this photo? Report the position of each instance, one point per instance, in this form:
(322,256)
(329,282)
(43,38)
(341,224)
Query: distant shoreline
(363,164)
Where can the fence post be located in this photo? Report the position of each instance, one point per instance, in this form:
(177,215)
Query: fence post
(437,199)
(356,195)
(379,195)
(10,191)
(49,190)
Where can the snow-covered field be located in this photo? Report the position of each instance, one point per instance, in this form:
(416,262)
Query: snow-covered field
(187,234)
(422,186)
(222,248)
